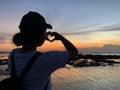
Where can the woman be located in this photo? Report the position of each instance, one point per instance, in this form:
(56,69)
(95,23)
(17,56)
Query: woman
(33,34)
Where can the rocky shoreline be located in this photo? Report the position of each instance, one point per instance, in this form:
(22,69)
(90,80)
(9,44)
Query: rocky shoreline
(95,60)
(80,61)
(88,60)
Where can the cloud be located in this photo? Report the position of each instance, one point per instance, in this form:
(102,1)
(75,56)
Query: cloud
(114,27)
(4,37)
(96,28)
(75,33)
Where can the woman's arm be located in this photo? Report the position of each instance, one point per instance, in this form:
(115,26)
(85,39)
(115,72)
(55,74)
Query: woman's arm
(68,45)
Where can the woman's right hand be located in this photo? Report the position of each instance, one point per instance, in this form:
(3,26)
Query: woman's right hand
(55,35)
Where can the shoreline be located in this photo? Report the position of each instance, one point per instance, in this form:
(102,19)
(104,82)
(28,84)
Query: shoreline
(85,60)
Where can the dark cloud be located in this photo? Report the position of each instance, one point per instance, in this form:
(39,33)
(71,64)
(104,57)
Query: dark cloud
(114,27)
(75,33)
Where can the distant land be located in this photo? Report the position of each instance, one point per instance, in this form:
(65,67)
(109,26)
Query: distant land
(108,48)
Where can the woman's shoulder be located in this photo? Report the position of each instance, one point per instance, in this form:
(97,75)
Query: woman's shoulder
(17,52)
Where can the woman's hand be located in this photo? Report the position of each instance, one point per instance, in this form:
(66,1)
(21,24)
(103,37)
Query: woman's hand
(54,35)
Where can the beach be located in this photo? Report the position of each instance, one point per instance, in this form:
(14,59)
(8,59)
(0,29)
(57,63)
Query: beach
(84,78)
(87,78)
(101,77)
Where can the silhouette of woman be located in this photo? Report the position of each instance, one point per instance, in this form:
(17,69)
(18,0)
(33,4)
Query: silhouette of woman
(33,34)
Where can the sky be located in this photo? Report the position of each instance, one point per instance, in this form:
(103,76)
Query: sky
(86,23)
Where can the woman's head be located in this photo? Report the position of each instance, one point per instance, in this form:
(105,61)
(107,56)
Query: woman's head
(32,30)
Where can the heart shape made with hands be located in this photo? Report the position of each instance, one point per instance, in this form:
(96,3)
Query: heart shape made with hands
(50,36)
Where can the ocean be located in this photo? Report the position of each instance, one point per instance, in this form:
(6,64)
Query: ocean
(87,78)
(4,55)
(80,78)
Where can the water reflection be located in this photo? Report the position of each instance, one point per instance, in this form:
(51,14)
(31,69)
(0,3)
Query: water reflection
(92,78)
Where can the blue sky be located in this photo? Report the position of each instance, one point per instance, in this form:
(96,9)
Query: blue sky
(77,19)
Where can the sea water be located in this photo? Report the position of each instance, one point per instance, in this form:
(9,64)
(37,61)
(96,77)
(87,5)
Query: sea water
(81,78)
(87,78)
(4,55)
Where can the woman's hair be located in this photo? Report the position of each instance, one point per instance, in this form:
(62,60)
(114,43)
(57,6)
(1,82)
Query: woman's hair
(17,39)
(32,27)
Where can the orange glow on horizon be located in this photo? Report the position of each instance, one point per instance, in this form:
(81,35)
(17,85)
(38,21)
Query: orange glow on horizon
(56,45)
(6,46)
(47,46)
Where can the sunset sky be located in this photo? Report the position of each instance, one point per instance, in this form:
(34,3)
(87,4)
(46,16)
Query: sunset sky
(86,23)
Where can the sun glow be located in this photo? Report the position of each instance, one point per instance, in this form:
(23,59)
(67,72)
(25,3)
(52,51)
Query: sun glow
(47,46)
(6,46)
